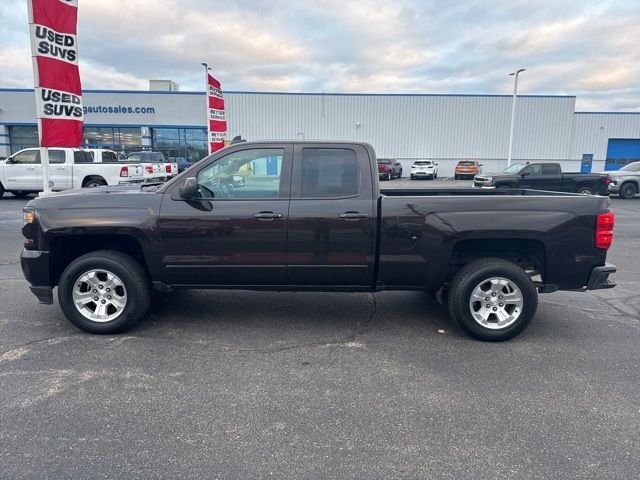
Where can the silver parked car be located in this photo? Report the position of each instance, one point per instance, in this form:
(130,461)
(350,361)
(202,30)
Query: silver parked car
(626,181)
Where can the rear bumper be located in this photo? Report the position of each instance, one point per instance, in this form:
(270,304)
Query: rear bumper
(35,267)
(599,277)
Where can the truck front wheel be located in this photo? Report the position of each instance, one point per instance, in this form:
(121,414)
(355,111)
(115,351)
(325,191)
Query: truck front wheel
(104,292)
(492,299)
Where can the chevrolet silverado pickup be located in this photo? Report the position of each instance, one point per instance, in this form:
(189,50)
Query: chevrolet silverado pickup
(304,215)
(545,176)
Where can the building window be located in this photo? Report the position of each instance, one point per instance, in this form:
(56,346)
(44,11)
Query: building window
(125,139)
(188,144)
(23,137)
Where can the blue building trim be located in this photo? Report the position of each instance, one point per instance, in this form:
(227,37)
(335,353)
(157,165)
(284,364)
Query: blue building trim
(150,92)
(607,113)
(108,125)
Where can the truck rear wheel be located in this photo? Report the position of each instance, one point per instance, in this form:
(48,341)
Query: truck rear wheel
(492,299)
(1,190)
(104,292)
(584,190)
(94,182)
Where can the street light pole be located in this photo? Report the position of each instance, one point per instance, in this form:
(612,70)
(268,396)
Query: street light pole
(513,111)
(206,100)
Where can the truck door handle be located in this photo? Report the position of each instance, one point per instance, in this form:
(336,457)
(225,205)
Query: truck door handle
(31,168)
(353,215)
(267,215)
(60,168)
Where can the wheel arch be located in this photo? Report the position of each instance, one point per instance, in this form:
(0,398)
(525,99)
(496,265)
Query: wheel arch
(65,249)
(89,178)
(529,254)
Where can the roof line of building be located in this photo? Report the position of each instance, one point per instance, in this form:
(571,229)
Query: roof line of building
(161,92)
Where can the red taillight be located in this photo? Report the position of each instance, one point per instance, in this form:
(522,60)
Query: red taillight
(608,180)
(383,168)
(148,168)
(124,171)
(167,168)
(604,230)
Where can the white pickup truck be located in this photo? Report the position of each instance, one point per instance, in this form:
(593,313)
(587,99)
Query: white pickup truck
(157,167)
(21,173)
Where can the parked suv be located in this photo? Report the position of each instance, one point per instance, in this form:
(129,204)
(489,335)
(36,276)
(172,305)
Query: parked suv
(626,181)
(467,169)
(389,168)
(424,169)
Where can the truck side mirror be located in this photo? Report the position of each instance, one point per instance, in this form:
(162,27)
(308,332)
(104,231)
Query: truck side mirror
(189,188)
(524,174)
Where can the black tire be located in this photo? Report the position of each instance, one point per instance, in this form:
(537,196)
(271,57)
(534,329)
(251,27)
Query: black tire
(412,177)
(435,175)
(470,277)
(94,182)
(1,190)
(628,190)
(585,190)
(129,271)
(20,194)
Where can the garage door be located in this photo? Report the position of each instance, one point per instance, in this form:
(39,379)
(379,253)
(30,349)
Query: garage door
(622,151)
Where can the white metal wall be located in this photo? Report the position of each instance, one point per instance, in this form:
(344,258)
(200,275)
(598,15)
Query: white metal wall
(593,131)
(411,126)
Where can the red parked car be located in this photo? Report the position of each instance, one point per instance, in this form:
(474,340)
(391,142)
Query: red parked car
(389,168)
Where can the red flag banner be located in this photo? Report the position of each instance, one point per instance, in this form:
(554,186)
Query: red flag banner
(217,117)
(54,51)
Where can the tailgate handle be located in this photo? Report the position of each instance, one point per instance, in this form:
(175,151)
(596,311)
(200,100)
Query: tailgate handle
(353,215)
(267,215)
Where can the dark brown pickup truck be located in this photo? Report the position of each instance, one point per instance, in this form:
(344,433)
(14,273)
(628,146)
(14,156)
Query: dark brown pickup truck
(310,216)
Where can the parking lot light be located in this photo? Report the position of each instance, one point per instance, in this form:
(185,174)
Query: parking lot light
(513,111)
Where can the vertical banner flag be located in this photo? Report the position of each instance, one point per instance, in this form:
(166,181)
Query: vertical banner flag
(217,126)
(54,51)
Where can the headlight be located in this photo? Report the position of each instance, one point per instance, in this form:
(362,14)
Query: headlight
(29,229)
(487,181)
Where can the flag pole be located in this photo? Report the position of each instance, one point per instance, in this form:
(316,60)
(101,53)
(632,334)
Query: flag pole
(206,99)
(44,151)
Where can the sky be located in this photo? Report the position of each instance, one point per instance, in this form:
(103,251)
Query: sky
(590,49)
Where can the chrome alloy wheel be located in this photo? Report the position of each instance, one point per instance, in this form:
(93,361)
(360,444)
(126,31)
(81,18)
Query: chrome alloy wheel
(496,303)
(99,295)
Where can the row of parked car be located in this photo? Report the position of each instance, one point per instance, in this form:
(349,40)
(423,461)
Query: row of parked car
(390,168)
(530,175)
(21,173)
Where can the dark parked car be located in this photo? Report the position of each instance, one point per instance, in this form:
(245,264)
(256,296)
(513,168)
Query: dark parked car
(545,176)
(310,216)
(389,168)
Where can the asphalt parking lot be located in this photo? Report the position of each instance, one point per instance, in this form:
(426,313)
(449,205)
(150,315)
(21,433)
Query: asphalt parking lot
(221,384)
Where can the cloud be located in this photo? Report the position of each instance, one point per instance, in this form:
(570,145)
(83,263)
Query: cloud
(581,47)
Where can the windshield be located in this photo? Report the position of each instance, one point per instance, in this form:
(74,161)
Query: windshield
(515,168)
(632,167)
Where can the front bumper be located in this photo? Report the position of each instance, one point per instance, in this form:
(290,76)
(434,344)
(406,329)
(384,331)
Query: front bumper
(35,267)
(599,277)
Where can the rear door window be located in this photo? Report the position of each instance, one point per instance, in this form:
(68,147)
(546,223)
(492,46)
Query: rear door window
(56,156)
(329,173)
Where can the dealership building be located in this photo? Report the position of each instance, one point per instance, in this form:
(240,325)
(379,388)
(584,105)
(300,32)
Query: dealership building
(445,128)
